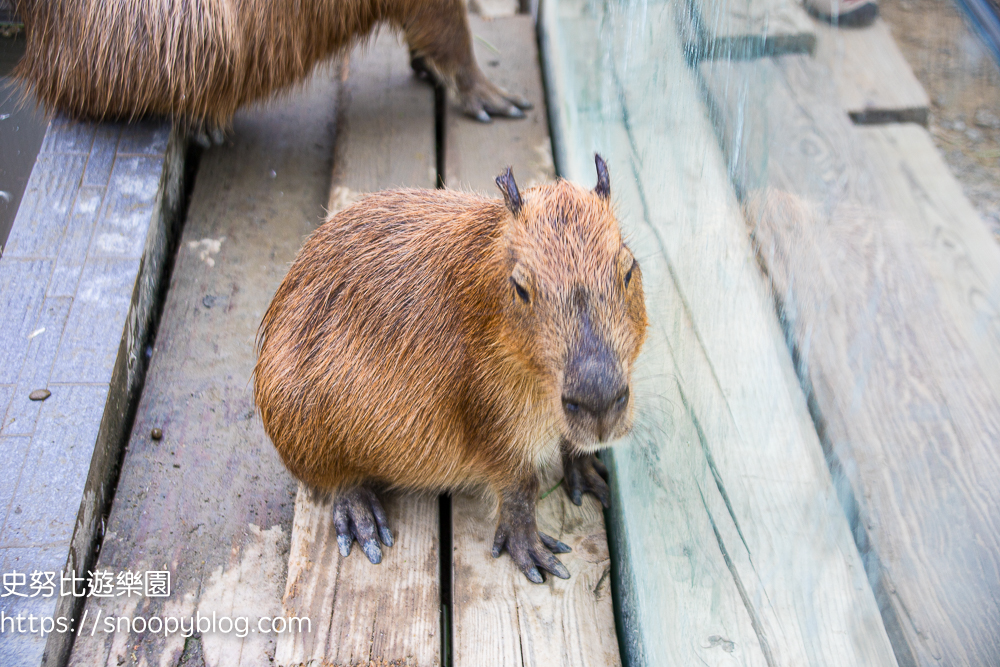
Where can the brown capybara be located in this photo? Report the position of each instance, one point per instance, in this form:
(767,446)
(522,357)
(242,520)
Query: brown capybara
(200,60)
(432,339)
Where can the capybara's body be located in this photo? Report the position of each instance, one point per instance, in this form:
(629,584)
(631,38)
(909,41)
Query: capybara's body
(432,339)
(200,60)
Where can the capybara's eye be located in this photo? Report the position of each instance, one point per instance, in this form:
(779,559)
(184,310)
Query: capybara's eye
(521,292)
(628,276)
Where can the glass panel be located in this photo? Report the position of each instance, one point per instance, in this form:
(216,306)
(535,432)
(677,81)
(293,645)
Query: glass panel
(811,201)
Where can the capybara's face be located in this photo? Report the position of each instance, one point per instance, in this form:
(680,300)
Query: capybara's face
(575,311)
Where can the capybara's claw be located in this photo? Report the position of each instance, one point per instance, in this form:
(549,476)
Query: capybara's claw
(531,551)
(554,545)
(585,474)
(358,515)
(483,100)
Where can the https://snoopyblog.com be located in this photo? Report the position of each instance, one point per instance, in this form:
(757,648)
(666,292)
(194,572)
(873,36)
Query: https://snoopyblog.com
(151,584)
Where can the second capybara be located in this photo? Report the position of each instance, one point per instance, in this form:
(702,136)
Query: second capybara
(200,60)
(433,339)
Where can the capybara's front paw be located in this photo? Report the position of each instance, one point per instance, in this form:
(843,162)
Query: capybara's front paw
(482,99)
(530,549)
(358,515)
(585,474)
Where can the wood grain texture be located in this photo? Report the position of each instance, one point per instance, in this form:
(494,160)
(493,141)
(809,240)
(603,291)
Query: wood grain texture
(906,411)
(211,502)
(750,28)
(732,545)
(387,134)
(81,276)
(363,613)
(478,152)
(954,244)
(874,82)
(499,617)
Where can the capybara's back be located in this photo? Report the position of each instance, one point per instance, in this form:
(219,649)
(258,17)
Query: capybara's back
(200,60)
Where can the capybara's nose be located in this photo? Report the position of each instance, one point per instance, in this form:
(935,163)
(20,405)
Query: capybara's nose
(598,395)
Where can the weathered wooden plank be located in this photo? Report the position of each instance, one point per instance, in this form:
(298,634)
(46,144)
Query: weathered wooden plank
(492,9)
(476,152)
(723,414)
(78,320)
(874,82)
(388,137)
(499,617)
(750,28)
(956,247)
(361,612)
(389,613)
(907,414)
(211,502)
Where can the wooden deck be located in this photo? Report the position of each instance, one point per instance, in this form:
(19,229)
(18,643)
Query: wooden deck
(811,485)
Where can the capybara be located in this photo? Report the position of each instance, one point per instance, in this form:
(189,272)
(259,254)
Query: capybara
(434,339)
(200,60)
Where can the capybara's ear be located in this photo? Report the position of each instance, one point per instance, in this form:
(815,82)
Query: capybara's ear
(509,189)
(603,187)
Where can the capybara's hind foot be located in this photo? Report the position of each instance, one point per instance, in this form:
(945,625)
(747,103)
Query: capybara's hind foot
(585,474)
(482,99)
(358,515)
(207,135)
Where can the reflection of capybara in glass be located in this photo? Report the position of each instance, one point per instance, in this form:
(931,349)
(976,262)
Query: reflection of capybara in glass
(200,60)
(432,339)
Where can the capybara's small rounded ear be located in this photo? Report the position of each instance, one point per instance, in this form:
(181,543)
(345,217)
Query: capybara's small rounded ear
(509,189)
(603,187)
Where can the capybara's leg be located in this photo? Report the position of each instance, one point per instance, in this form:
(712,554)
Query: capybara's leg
(517,531)
(437,32)
(584,473)
(358,515)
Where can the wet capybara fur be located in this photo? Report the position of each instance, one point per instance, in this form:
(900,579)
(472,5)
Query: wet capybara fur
(434,339)
(200,60)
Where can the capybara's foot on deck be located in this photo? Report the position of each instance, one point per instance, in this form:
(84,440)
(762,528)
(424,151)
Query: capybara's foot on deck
(207,135)
(481,100)
(585,474)
(519,534)
(358,515)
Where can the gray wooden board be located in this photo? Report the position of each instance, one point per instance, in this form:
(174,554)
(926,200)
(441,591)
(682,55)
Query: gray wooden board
(364,613)
(954,244)
(211,502)
(79,280)
(498,616)
(750,28)
(477,152)
(881,316)
(874,82)
(732,545)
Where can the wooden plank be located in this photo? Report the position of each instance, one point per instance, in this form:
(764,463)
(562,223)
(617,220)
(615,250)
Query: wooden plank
(747,557)
(499,617)
(737,29)
(211,502)
(874,82)
(79,282)
(954,244)
(476,152)
(907,414)
(362,613)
